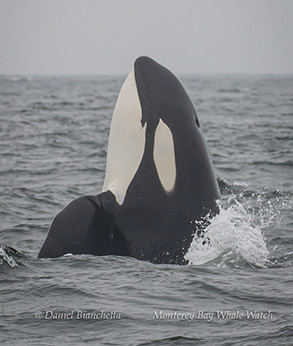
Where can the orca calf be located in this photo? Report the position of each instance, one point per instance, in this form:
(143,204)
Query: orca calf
(159,184)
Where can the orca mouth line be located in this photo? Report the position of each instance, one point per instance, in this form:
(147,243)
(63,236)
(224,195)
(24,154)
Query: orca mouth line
(159,177)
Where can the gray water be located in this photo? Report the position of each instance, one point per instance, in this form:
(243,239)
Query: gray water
(238,289)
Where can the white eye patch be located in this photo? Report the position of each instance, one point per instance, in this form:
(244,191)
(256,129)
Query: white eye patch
(164,156)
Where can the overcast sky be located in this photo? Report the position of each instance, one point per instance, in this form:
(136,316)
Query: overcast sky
(105,36)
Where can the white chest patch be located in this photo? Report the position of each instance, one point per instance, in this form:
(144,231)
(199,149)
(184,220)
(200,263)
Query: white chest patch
(164,156)
(126,141)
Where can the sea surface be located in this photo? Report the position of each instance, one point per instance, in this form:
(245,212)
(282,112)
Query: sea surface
(238,287)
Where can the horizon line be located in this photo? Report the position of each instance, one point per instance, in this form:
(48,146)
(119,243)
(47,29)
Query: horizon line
(77,74)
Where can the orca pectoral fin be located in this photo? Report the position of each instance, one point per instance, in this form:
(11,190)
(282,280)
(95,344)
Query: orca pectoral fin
(84,227)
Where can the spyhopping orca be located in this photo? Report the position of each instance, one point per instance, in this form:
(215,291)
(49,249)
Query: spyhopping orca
(159,178)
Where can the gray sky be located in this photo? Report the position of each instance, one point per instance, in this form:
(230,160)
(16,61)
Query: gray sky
(105,36)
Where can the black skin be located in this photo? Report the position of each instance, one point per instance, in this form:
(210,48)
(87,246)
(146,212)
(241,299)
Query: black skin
(84,227)
(151,224)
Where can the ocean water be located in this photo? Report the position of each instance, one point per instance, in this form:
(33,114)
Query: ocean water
(238,288)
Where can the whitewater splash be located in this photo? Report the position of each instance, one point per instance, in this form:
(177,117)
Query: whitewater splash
(235,237)
(8,254)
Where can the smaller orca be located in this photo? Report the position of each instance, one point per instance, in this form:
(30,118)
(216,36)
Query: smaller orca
(159,180)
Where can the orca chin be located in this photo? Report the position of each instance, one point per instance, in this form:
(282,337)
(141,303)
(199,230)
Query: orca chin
(159,180)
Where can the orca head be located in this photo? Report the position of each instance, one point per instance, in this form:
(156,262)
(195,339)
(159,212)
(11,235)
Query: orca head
(151,109)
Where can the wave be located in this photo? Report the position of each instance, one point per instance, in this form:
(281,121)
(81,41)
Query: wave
(230,91)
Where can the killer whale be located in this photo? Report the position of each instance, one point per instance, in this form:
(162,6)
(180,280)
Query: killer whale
(159,184)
